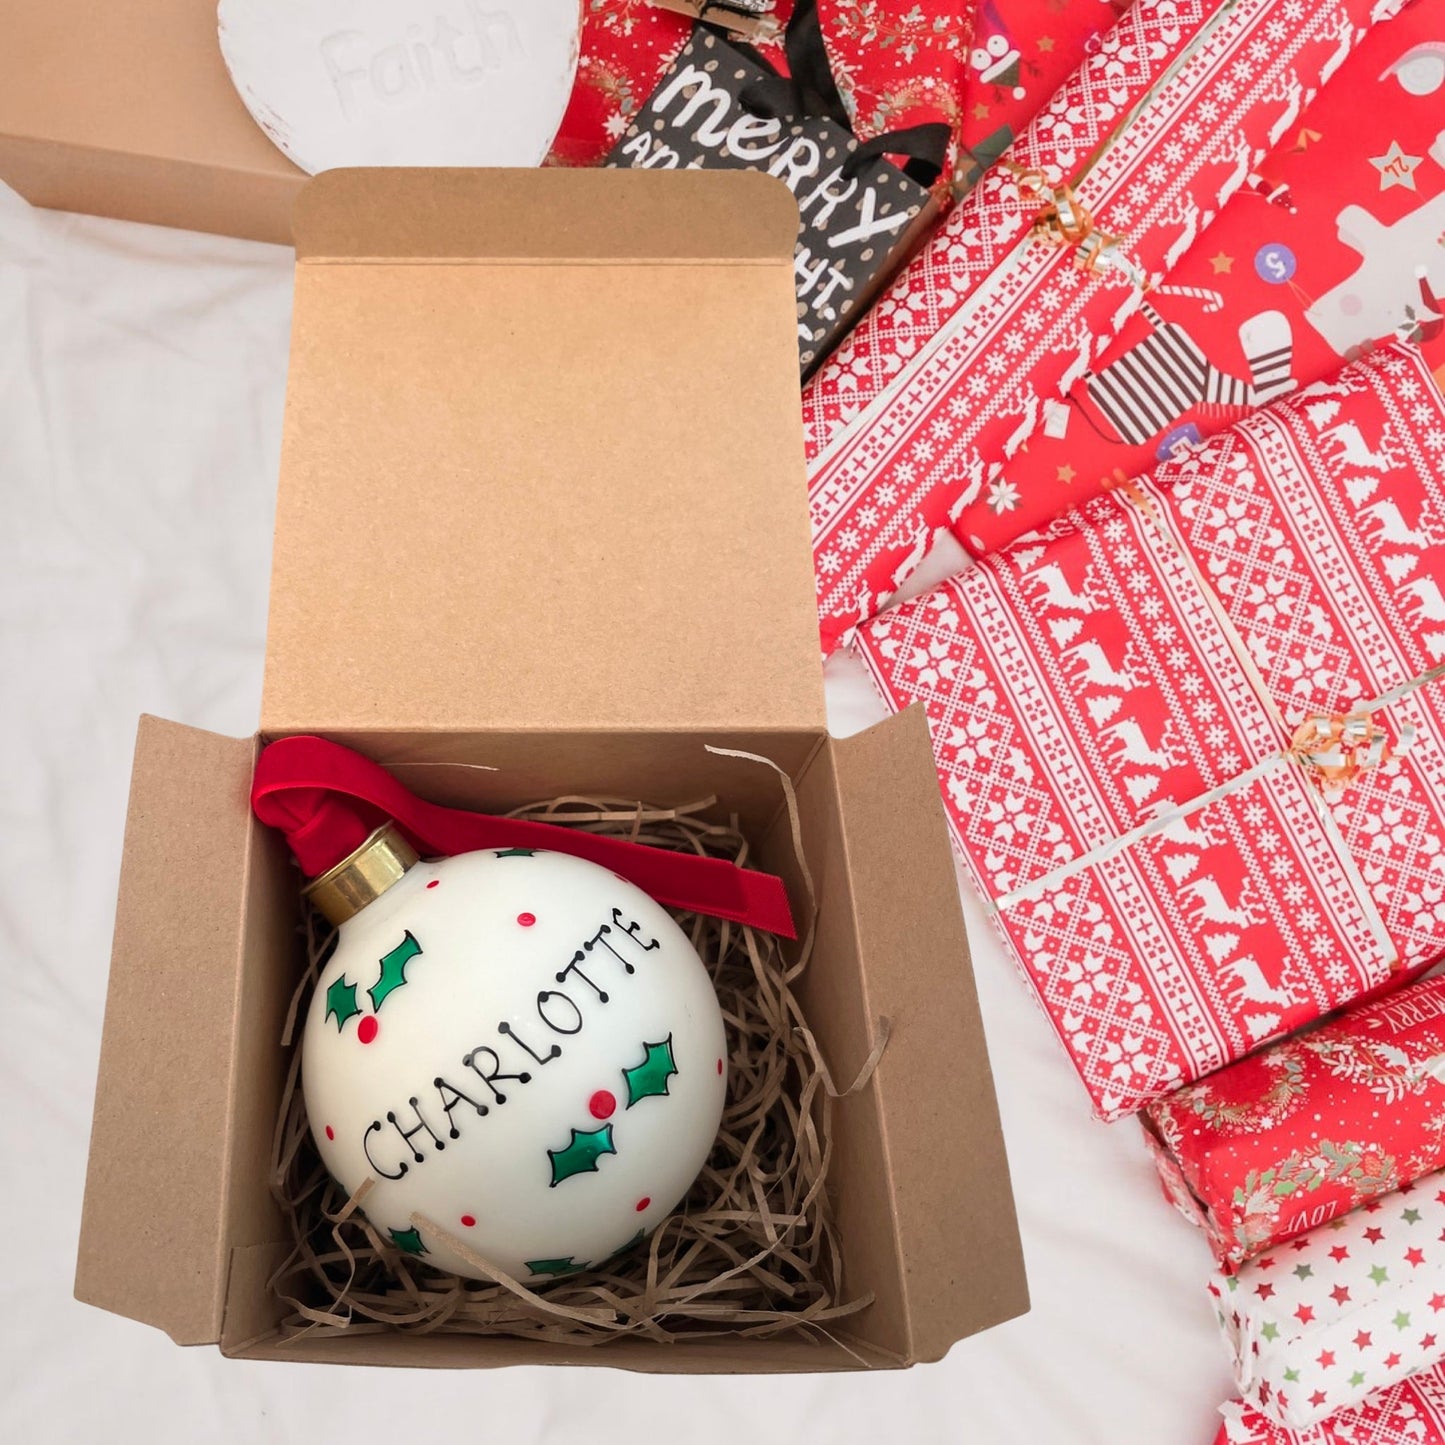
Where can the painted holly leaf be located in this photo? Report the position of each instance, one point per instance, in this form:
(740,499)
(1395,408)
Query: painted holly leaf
(393,970)
(408,1241)
(554,1267)
(515,852)
(651,1075)
(581,1154)
(341,1001)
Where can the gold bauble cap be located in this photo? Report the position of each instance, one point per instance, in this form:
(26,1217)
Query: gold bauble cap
(363,876)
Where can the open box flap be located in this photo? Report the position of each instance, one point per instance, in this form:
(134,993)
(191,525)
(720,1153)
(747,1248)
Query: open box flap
(154,1234)
(542,464)
(952,1207)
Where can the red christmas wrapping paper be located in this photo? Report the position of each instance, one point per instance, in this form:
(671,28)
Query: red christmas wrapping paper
(1290,1137)
(1411,1412)
(947,375)
(1336,242)
(901,63)
(897,63)
(627,47)
(1022,53)
(1114,705)
(1320,1324)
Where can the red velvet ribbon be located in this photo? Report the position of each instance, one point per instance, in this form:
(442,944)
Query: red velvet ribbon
(327,799)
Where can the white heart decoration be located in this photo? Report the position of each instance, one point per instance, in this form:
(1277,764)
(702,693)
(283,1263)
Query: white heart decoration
(401,83)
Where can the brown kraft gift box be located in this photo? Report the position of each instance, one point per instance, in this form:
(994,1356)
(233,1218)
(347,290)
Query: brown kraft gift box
(542,512)
(124,108)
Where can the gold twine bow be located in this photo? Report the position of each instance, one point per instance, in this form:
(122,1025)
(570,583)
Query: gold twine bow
(1064,220)
(1338,747)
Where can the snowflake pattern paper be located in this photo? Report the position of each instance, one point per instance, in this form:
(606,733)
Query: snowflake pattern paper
(901,63)
(1409,1413)
(946,377)
(1112,703)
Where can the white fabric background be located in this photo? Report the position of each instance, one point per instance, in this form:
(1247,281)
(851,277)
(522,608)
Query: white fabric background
(141,382)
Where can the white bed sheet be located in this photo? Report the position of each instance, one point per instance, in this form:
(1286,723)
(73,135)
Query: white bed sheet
(141,382)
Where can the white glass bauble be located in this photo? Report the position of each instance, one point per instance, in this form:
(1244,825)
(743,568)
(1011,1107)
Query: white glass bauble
(397,83)
(520,1048)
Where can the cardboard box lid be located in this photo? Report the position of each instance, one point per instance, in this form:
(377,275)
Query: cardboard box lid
(542,464)
(141,77)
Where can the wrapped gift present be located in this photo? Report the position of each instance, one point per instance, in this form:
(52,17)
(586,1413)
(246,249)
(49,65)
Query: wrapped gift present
(901,64)
(1022,53)
(1409,1413)
(1293,1136)
(1036,270)
(1190,735)
(1336,1315)
(1333,244)
(858,215)
(626,49)
(897,64)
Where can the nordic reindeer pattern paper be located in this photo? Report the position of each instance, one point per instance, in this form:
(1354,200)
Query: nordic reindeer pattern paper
(1114,701)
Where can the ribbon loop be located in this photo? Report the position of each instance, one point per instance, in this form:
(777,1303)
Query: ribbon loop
(328,799)
(1064,220)
(1337,747)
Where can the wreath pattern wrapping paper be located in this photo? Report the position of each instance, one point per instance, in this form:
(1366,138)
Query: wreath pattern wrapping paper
(1355,1307)
(1113,703)
(946,376)
(1306,1130)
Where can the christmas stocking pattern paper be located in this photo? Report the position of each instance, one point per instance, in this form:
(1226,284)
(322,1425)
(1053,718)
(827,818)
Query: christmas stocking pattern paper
(1335,243)
(911,418)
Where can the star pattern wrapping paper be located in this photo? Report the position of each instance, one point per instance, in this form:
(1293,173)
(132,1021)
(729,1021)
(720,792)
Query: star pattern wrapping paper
(946,376)
(1336,242)
(1411,1412)
(1114,702)
(1310,1128)
(1319,1324)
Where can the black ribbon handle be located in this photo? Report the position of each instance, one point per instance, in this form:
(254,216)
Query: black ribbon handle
(812,91)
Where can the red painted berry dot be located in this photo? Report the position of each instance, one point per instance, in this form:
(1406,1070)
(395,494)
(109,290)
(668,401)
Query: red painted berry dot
(643,1202)
(719,1066)
(434,882)
(366,1029)
(330,1132)
(468,1220)
(526,919)
(602,1104)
